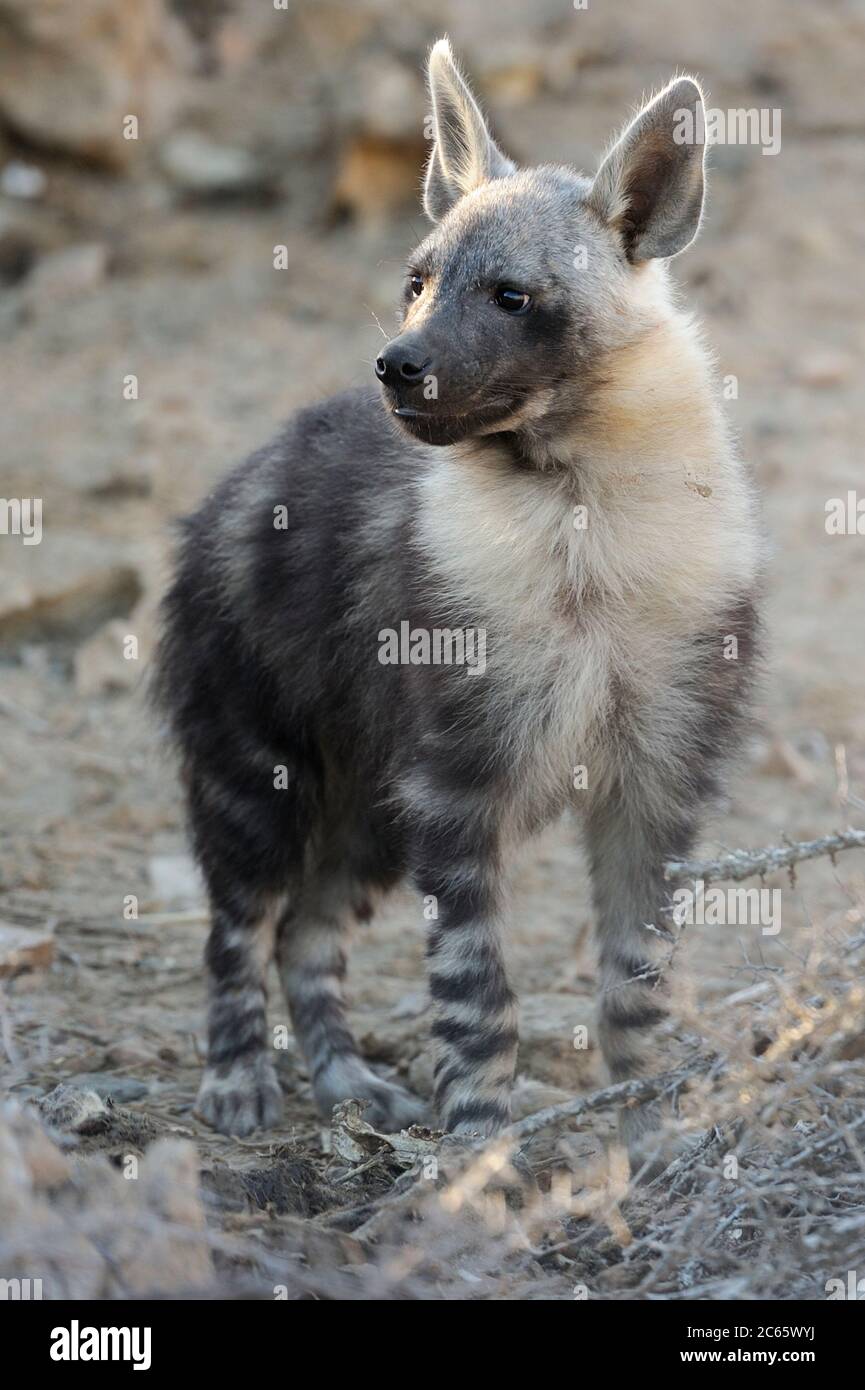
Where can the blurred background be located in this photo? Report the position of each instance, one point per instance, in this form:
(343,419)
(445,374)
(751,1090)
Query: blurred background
(159,159)
(301,127)
(168,298)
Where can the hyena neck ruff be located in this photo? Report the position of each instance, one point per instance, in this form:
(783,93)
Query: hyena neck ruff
(636,506)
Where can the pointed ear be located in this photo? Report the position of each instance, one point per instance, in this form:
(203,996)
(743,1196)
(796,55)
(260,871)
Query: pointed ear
(464,154)
(650,185)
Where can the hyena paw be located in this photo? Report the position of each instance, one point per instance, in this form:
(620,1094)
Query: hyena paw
(245,1097)
(390,1108)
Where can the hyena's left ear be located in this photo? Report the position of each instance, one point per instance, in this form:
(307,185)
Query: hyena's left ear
(650,186)
(464,154)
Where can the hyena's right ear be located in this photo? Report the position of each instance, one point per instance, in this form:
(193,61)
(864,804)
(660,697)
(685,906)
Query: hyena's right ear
(464,154)
(650,186)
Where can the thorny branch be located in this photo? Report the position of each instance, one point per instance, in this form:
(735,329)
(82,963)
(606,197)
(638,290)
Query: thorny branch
(639,1089)
(742,863)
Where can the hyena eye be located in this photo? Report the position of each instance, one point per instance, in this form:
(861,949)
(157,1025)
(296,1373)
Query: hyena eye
(416,284)
(512,301)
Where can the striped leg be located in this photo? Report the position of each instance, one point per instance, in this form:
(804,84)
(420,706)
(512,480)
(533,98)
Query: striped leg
(474,1011)
(312,954)
(239,1089)
(627,855)
(246,837)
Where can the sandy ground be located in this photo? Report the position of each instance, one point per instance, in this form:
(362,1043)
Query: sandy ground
(223,347)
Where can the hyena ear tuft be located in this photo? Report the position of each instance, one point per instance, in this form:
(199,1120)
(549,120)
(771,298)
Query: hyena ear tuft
(650,185)
(464,154)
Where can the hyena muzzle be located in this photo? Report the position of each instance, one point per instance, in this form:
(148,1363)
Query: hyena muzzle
(544,462)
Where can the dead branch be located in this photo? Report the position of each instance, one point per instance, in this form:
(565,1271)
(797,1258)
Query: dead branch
(637,1090)
(742,863)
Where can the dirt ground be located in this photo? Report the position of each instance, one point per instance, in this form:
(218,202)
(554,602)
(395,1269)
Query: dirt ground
(182,292)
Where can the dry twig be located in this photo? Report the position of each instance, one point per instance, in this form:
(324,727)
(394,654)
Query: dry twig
(742,863)
(639,1089)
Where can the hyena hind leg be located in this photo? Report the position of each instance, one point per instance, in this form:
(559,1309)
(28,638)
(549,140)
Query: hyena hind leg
(312,955)
(246,841)
(239,1089)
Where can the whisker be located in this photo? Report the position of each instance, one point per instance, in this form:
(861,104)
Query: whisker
(377,323)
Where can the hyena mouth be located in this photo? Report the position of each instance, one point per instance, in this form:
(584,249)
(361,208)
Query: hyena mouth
(438,428)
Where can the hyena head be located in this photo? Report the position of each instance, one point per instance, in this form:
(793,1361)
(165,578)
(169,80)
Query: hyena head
(532,276)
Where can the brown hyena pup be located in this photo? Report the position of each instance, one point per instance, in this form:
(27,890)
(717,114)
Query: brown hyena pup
(542,478)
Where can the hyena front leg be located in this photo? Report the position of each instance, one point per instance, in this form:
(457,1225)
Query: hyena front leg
(311,948)
(627,849)
(456,870)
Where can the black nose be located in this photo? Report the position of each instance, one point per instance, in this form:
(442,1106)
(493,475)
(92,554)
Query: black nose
(401,364)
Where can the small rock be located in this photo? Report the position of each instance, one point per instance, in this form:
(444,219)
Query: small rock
(64,275)
(97,1232)
(420,1072)
(17,255)
(47,1166)
(70,74)
(824,369)
(101,663)
(200,167)
(394,1037)
(108,1087)
(24,948)
(320,1248)
(20,180)
(547,1052)
(529,1096)
(175,880)
(163,1245)
(65,590)
(129,1052)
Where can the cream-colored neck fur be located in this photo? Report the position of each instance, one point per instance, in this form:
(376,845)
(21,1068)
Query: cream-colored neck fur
(669,533)
(670,546)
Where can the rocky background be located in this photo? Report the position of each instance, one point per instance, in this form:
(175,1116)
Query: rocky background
(148,342)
